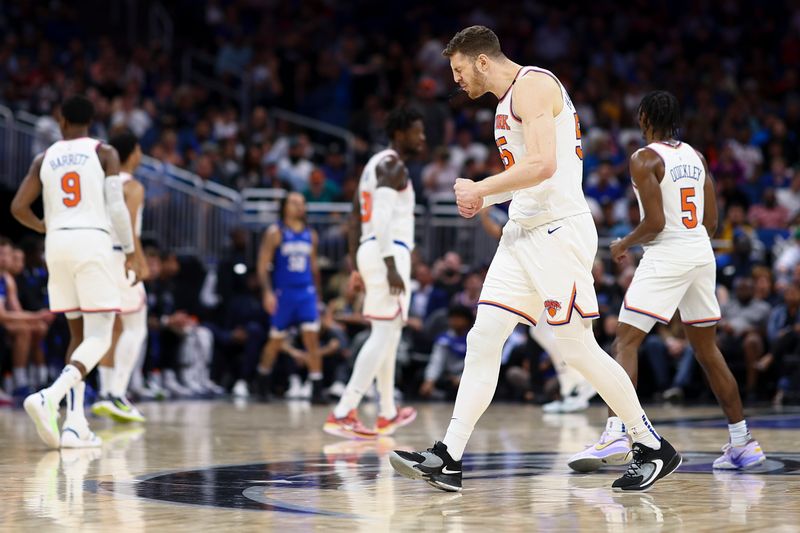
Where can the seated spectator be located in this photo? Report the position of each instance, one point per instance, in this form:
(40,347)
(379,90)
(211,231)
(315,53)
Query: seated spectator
(320,189)
(469,296)
(783,336)
(603,185)
(768,215)
(439,176)
(742,331)
(467,149)
(447,273)
(789,198)
(443,373)
(295,168)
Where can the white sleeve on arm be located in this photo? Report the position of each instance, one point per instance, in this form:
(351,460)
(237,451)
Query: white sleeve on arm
(118,212)
(384,200)
(498,198)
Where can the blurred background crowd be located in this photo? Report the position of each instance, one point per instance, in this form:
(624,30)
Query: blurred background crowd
(347,65)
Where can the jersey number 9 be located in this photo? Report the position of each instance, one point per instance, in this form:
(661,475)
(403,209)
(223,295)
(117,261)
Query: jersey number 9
(71,185)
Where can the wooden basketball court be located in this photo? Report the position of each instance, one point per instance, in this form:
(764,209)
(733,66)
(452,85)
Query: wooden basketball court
(205,466)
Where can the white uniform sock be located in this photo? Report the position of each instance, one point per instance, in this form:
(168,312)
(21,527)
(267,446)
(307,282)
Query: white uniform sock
(577,344)
(384,337)
(97,329)
(76,417)
(385,381)
(740,435)
(105,375)
(41,375)
(20,376)
(479,380)
(69,377)
(615,427)
(129,346)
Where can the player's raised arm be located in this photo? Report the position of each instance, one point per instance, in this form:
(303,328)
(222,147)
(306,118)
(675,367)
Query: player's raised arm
(646,167)
(266,253)
(392,177)
(710,213)
(29,190)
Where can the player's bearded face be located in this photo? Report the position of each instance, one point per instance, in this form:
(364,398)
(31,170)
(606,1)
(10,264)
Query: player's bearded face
(477,85)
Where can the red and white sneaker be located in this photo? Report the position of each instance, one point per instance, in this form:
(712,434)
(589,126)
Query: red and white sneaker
(404,416)
(349,427)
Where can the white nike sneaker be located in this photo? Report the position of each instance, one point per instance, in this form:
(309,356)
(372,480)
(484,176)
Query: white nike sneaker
(241,390)
(45,416)
(553,407)
(75,438)
(573,404)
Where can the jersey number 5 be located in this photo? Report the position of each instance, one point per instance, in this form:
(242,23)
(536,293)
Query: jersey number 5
(688,207)
(505,153)
(366,206)
(71,185)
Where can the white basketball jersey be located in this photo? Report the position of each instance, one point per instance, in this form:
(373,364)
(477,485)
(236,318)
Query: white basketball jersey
(137,227)
(72,186)
(684,239)
(561,195)
(402,225)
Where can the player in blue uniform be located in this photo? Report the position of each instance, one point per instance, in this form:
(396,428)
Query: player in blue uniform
(287,268)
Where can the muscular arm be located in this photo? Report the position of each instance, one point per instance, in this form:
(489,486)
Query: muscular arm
(647,171)
(29,190)
(266,253)
(537,101)
(491,227)
(315,263)
(392,177)
(115,198)
(710,213)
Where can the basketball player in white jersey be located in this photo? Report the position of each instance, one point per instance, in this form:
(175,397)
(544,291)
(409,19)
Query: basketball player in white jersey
(541,273)
(678,208)
(130,331)
(78,179)
(381,239)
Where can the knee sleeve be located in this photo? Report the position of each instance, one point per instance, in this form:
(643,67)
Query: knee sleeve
(97,332)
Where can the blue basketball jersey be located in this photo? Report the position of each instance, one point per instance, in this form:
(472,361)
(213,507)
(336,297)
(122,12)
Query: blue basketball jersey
(293,259)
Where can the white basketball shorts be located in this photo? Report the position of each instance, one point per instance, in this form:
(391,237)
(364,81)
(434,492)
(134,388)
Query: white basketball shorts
(544,272)
(379,302)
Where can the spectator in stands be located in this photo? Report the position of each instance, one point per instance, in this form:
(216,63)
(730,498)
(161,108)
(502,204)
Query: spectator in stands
(769,214)
(447,273)
(24,328)
(783,335)
(439,175)
(467,149)
(443,373)
(788,260)
(471,293)
(789,198)
(295,168)
(603,185)
(320,189)
(743,330)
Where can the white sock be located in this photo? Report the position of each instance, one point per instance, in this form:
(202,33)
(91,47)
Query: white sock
(479,380)
(384,335)
(644,433)
(385,381)
(129,346)
(41,375)
(105,376)
(314,376)
(76,417)
(68,378)
(615,427)
(740,435)
(577,344)
(20,377)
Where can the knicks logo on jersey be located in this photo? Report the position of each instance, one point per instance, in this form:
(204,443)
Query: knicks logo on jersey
(553,307)
(501,122)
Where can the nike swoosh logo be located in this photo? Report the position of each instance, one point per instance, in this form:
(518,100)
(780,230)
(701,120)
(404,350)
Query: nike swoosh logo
(659,465)
(604,445)
(445,470)
(551,231)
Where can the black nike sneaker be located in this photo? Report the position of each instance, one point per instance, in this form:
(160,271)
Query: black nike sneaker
(318,396)
(434,466)
(648,466)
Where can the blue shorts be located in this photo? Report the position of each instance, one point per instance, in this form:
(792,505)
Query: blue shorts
(295,306)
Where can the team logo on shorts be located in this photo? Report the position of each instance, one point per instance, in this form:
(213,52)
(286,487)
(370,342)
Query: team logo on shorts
(552,307)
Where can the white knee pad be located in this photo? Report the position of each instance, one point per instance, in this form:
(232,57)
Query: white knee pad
(97,332)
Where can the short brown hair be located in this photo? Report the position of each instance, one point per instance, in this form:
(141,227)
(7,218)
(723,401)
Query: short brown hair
(474,41)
